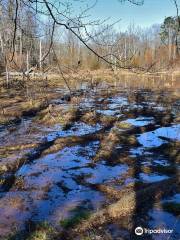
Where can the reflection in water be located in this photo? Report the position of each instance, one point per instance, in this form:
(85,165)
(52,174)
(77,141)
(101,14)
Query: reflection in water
(78,129)
(140,121)
(164,220)
(153,177)
(152,139)
(50,187)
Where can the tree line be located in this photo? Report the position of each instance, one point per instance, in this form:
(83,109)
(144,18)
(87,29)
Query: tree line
(41,34)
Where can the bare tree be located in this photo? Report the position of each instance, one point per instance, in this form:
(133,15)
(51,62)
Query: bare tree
(75,24)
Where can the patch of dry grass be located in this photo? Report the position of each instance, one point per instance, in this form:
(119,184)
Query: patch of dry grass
(127,204)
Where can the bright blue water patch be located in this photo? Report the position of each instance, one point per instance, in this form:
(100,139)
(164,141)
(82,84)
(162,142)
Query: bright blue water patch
(152,139)
(151,178)
(102,173)
(140,121)
(175,198)
(78,129)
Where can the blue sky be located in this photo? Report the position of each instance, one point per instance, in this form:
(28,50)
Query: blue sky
(153,11)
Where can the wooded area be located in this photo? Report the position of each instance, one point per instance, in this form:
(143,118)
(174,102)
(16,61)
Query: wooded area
(39,35)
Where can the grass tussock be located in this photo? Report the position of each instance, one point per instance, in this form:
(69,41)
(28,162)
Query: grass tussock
(127,205)
(82,214)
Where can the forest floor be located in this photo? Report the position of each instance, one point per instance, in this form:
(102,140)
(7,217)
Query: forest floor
(95,164)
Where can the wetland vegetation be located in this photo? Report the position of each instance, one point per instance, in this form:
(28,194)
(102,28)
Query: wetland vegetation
(93,167)
(89,131)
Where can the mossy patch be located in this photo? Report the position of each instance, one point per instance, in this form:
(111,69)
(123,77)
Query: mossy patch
(108,120)
(79,214)
(123,125)
(3,120)
(43,231)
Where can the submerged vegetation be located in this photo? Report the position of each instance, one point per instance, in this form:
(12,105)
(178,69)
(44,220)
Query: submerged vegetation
(79,214)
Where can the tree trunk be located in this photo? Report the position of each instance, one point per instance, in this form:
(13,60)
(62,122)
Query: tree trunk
(7,76)
(27,62)
(40,55)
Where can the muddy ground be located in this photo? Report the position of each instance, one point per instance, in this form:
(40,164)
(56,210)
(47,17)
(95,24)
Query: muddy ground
(94,165)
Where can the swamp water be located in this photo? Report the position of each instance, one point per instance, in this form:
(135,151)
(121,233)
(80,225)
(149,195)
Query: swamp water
(136,139)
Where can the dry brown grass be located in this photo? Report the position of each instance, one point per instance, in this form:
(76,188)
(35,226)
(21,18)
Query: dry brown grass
(127,204)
